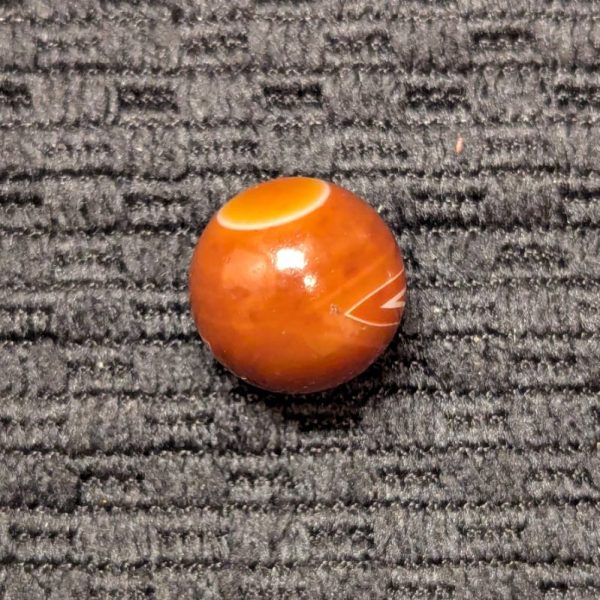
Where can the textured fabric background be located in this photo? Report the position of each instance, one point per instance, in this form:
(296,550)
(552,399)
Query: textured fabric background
(464,464)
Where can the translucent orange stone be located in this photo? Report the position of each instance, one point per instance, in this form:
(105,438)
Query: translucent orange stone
(297,285)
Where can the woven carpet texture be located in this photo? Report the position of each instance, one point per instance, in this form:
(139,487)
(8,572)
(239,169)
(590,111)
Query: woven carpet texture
(463,464)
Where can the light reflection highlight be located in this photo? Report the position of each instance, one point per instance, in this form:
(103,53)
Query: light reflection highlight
(287,259)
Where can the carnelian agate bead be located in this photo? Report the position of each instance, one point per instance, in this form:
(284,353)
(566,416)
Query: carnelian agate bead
(297,285)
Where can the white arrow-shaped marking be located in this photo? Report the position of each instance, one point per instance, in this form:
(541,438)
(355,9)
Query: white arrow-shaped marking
(396,301)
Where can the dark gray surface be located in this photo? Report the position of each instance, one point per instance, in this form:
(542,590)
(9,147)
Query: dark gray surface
(463,465)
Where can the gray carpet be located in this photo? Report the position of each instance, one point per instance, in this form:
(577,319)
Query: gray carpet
(464,464)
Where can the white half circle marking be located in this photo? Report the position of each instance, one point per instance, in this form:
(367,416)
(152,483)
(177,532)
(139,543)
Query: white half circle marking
(276,222)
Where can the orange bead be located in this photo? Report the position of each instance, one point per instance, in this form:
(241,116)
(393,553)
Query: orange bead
(297,285)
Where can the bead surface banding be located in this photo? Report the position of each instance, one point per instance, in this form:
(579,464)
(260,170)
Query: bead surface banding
(297,285)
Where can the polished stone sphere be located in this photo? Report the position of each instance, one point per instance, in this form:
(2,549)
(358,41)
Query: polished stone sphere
(297,285)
